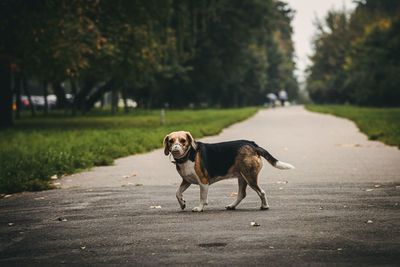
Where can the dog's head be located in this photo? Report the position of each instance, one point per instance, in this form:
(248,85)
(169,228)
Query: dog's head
(178,144)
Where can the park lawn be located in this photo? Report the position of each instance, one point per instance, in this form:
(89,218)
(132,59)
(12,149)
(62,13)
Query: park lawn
(382,124)
(38,148)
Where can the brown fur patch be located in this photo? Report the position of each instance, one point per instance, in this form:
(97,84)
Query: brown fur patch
(200,170)
(248,162)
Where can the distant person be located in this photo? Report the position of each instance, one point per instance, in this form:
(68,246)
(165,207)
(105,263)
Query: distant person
(272,99)
(283,97)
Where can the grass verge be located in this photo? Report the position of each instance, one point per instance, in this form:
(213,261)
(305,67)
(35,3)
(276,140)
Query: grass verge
(382,124)
(38,148)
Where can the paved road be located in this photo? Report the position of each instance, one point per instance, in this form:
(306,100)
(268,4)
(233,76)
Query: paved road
(339,206)
(323,148)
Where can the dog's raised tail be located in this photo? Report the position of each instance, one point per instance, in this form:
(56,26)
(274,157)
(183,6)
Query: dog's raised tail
(273,161)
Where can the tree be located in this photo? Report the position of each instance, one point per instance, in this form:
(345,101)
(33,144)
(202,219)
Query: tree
(219,53)
(356,57)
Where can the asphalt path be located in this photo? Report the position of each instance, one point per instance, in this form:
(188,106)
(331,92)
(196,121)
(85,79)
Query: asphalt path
(340,206)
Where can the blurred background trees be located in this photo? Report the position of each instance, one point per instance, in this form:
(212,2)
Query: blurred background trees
(160,53)
(357,56)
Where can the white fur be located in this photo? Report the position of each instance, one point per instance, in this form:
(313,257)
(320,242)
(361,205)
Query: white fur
(188,173)
(283,165)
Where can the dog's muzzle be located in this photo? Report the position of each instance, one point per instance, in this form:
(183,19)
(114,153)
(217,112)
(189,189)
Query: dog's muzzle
(177,151)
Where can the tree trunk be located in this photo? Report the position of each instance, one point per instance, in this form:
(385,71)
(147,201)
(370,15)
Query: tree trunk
(28,94)
(75,94)
(46,104)
(114,101)
(83,92)
(101,103)
(6,100)
(60,94)
(98,94)
(18,97)
(126,108)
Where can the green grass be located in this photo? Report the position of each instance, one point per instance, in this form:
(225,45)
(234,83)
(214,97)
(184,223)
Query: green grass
(37,148)
(382,124)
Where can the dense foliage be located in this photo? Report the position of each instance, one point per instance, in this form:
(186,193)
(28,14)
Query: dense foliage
(357,56)
(160,53)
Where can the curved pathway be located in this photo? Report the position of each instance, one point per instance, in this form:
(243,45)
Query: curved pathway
(339,207)
(323,148)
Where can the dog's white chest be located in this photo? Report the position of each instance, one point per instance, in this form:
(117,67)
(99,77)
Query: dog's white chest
(188,173)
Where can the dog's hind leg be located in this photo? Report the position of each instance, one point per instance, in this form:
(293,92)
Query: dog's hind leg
(241,194)
(262,195)
(179,193)
(251,179)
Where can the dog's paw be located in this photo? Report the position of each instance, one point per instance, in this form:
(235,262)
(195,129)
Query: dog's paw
(230,208)
(197,209)
(264,208)
(183,206)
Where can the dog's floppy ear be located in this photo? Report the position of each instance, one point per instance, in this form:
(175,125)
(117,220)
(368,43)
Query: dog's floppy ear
(191,140)
(166,145)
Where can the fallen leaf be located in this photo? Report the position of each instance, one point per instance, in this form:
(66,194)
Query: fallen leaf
(369,221)
(82,247)
(133,175)
(138,184)
(11,224)
(6,196)
(126,176)
(348,145)
(321,208)
(369,190)
(54,177)
(62,219)
(377,185)
(155,207)
(57,184)
(124,185)
(39,198)
(234,194)
(254,224)
(282,182)
(271,247)
(340,249)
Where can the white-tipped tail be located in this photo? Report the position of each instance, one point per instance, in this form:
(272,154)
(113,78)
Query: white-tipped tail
(283,165)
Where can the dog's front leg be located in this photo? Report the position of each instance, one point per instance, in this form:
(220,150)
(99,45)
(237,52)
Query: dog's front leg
(203,197)
(179,193)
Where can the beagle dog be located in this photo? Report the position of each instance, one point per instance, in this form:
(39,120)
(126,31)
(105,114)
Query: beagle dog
(204,164)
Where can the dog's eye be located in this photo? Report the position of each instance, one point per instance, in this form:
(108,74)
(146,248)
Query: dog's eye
(183,141)
(171,141)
